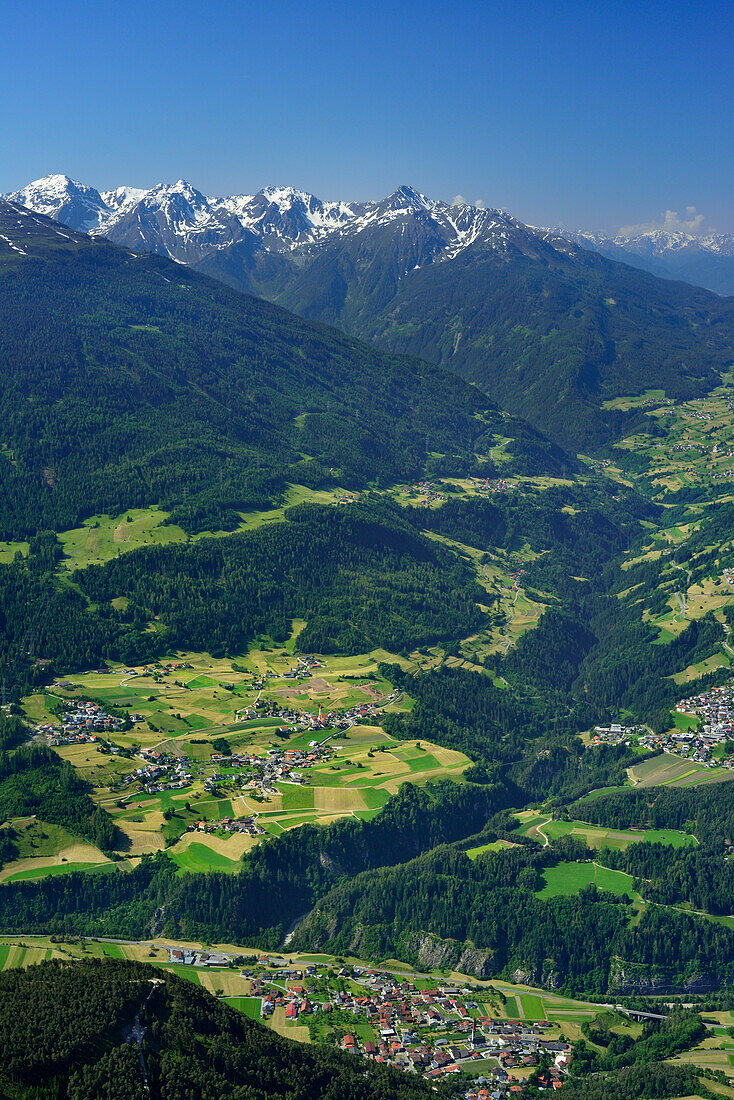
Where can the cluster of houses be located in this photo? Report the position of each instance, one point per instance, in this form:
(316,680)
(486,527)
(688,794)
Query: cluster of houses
(82,722)
(500,485)
(428,491)
(163,772)
(690,414)
(190,956)
(696,747)
(679,448)
(324,720)
(228,825)
(276,766)
(158,670)
(728,576)
(435,1032)
(615,734)
(716,708)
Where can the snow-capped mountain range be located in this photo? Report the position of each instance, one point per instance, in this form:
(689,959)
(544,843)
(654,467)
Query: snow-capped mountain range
(178,221)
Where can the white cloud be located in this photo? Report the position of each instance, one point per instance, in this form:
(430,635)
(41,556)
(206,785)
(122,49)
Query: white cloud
(691,222)
(459,200)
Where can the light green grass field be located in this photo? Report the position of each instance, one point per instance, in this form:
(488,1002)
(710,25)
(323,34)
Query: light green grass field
(101,538)
(493,846)
(36,873)
(596,837)
(199,857)
(567,879)
(8,550)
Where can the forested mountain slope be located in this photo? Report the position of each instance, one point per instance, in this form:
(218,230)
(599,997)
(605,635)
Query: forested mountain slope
(550,333)
(548,329)
(126,380)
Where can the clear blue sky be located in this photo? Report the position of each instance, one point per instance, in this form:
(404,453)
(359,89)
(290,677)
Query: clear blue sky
(596,113)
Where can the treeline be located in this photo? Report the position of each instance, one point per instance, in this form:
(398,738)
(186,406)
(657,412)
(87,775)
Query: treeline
(360,575)
(64,1033)
(35,781)
(488,907)
(584,525)
(652,1082)
(706,810)
(659,1040)
(280,879)
(626,669)
(699,875)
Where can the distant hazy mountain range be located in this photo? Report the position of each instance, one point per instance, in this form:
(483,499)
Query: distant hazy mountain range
(706,261)
(550,330)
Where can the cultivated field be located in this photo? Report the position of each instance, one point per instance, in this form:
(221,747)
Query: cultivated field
(668,770)
(194,712)
(537,826)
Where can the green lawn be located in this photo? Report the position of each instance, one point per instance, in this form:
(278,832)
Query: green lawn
(494,846)
(598,837)
(113,951)
(567,879)
(685,721)
(8,550)
(250,1006)
(532,1006)
(199,857)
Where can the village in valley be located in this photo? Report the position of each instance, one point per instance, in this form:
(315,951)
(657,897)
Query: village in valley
(202,757)
(705,736)
(489,1035)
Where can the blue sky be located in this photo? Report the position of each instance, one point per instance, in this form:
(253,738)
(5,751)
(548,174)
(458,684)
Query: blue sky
(597,113)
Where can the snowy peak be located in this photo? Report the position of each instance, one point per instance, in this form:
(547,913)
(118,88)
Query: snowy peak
(122,196)
(405,200)
(285,217)
(64,199)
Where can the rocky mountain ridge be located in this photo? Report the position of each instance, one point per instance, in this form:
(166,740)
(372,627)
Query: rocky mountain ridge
(179,221)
